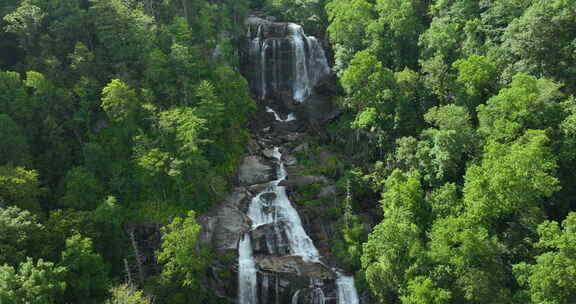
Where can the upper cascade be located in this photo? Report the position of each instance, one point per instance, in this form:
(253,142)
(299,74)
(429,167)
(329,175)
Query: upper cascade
(281,58)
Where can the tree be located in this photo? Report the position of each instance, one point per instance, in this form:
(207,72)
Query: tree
(87,276)
(25,21)
(446,201)
(83,190)
(20,187)
(347,29)
(552,278)
(348,240)
(541,41)
(442,150)
(476,78)
(473,259)
(421,290)
(120,103)
(14,147)
(32,282)
(182,260)
(394,35)
(125,35)
(124,294)
(21,235)
(14,102)
(512,181)
(404,191)
(390,256)
(529,103)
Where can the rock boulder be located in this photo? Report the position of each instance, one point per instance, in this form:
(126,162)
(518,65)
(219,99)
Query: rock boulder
(255,170)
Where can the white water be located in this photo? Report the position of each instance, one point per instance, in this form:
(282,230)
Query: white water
(302,83)
(347,293)
(263,68)
(247,272)
(309,67)
(289,117)
(282,211)
(307,57)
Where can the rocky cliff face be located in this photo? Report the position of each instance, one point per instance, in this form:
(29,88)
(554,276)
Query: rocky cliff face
(280,275)
(268,250)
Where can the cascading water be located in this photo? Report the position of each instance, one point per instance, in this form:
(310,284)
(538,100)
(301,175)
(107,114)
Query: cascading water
(347,293)
(280,211)
(246,271)
(282,58)
(260,213)
(289,117)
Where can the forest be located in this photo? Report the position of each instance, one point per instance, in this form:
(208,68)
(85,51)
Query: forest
(458,131)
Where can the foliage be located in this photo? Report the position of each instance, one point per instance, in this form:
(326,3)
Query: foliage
(112,112)
(549,279)
(32,282)
(471,148)
(21,235)
(347,243)
(20,187)
(87,277)
(124,294)
(179,243)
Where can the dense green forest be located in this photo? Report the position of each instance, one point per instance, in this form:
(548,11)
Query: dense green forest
(460,120)
(113,111)
(458,126)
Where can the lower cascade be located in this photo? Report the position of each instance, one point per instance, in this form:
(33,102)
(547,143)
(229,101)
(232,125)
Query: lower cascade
(288,243)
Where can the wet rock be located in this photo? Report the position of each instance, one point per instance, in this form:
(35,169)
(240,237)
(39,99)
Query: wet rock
(295,265)
(289,160)
(253,147)
(282,40)
(293,137)
(268,153)
(268,196)
(230,227)
(254,170)
(289,126)
(257,188)
(367,222)
(227,223)
(269,240)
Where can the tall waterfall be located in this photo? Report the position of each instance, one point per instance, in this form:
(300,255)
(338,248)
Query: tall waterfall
(282,58)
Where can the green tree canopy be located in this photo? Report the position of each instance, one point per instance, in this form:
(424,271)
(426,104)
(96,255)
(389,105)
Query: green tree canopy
(32,282)
(87,276)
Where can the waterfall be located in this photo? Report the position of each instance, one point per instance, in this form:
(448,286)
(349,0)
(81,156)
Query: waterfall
(275,211)
(247,272)
(259,212)
(347,293)
(302,83)
(296,296)
(289,117)
(282,58)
